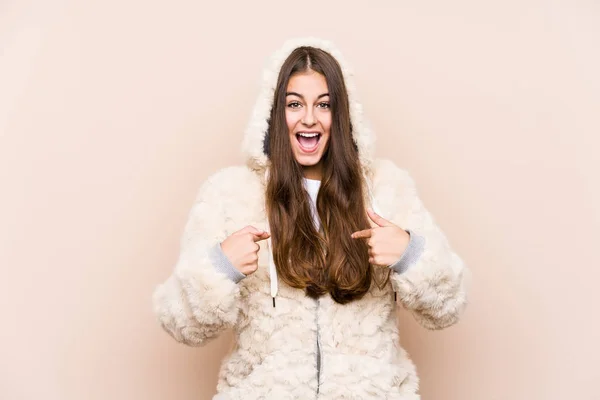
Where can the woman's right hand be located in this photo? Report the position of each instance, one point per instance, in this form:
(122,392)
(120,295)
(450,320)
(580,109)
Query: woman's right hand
(241,248)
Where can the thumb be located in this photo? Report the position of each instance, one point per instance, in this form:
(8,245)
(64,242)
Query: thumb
(377,219)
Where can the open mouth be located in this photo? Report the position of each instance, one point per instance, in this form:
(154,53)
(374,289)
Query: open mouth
(308,141)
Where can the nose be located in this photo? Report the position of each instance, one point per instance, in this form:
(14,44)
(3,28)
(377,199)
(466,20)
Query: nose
(309,118)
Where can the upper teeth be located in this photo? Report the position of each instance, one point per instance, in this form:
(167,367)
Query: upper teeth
(308,134)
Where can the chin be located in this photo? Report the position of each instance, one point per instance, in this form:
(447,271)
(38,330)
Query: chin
(308,161)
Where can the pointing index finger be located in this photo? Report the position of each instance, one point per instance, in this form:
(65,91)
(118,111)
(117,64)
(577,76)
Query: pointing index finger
(366,233)
(257,237)
(249,229)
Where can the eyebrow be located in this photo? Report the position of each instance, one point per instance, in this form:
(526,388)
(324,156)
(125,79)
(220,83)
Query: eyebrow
(302,97)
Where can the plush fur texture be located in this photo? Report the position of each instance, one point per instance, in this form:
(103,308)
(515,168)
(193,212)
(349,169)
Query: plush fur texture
(275,351)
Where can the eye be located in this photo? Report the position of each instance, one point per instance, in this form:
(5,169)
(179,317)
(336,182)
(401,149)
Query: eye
(324,104)
(294,104)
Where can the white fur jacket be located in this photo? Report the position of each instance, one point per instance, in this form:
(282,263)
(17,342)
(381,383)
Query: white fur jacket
(305,348)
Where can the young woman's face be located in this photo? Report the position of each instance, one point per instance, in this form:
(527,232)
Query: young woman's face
(308,117)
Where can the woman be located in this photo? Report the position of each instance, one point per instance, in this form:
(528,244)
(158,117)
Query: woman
(288,252)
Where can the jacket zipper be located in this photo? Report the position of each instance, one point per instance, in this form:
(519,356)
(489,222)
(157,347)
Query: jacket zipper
(319,356)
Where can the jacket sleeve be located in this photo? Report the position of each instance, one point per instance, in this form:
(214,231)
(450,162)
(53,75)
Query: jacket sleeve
(198,301)
(433,287)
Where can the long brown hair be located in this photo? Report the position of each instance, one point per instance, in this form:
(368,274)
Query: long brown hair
(328,261)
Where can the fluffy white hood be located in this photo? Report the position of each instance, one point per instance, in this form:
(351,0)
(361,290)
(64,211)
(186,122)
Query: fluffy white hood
(257,127)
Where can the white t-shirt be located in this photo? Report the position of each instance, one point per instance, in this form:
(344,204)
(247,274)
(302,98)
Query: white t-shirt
(312,187)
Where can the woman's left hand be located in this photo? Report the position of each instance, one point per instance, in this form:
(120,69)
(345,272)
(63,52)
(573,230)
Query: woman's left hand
(387,242)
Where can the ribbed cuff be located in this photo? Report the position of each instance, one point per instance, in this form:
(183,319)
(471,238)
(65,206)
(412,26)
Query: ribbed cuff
(411,255)
(223,265)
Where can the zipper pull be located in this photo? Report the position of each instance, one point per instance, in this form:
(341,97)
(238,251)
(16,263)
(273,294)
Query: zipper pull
(395,297)
(273,302)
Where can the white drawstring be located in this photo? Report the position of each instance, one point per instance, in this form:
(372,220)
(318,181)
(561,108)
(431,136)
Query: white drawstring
(272,267)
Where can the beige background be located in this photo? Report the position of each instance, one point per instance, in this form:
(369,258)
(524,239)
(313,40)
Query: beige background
(112,113)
